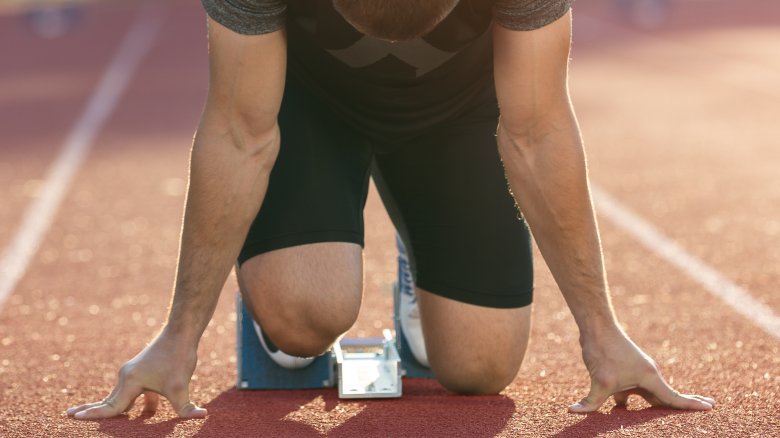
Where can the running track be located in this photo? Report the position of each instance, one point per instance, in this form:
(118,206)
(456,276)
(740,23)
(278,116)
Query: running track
(681,130)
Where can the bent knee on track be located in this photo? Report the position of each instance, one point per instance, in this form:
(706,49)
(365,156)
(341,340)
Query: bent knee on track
(481,377)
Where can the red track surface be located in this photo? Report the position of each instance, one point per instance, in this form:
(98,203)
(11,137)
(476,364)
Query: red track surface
(680,126)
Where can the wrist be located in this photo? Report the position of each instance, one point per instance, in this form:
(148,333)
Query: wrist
(181,334)
(596,330)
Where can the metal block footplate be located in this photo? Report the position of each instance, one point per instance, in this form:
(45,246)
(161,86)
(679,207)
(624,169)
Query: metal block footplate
(368,368)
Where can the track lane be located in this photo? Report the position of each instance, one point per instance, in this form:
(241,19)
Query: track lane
(42,83)
(115,242)
(697,140)
(78,142)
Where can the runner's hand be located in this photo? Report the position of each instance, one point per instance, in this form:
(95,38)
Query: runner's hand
(618,368)
(164,367)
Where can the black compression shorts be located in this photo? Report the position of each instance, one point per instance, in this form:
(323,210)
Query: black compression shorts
(444,189)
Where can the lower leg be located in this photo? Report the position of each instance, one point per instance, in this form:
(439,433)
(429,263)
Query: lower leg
(473,349)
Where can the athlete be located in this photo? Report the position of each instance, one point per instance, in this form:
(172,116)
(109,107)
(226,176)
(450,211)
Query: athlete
(306,99)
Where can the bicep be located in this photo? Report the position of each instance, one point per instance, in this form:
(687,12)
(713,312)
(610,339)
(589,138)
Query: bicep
(246,79)
(531,72)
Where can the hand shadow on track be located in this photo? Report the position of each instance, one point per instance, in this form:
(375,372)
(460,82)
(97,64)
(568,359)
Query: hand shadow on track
(125,426)
(426,409)
(597,423)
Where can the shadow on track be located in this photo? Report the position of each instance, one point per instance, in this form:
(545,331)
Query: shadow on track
(426,409)
(126,427)
(596,423)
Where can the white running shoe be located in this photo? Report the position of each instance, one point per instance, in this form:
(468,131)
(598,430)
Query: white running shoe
(281,358)
(410,312)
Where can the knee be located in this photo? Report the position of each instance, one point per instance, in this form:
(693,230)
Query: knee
(306,296)
(484,376)
(303,336)
(307,327)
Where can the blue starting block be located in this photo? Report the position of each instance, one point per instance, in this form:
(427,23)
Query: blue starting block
(389,358)
(256,370)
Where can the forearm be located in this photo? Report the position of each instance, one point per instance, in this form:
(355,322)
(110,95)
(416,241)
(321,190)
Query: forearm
(546,169)
(228,180)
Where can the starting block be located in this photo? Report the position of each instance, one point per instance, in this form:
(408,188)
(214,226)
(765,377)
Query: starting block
(256,370)
(362,368)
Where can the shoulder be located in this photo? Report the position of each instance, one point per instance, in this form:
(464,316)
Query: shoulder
(249,17)
(529,14)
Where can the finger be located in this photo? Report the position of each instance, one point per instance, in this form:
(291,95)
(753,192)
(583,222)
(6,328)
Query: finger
(73,410)
(151,401)
(709,400)
(191,410)
(684,401)
(669,397)
(111,396)
(76,409)
(96,412)
(111,406)
(179,396)
(596,397)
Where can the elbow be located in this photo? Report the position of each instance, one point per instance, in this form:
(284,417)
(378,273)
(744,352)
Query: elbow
(526,137)
(255,135)
(256,143)
(259,147)
(517,141)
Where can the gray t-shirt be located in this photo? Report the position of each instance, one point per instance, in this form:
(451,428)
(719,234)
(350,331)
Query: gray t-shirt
(254,17)
(389,88)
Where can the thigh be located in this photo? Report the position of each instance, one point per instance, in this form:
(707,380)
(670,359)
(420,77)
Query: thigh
(469,248)
(448,197)
(318,185)
(300,269)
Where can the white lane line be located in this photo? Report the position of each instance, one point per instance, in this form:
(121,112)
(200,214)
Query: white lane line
(714,282)
(39,215)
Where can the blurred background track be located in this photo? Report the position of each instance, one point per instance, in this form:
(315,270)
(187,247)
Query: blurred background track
(680,122)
